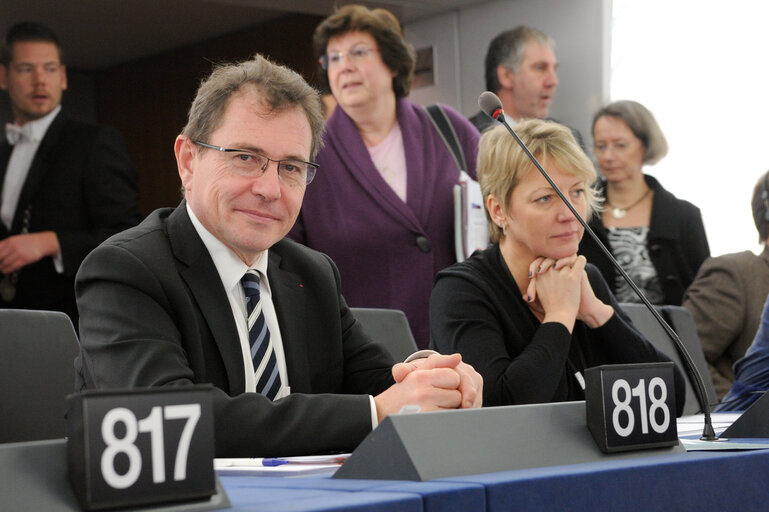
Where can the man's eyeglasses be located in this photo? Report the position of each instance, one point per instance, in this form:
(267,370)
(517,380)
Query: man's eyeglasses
(247,163)
(356,54)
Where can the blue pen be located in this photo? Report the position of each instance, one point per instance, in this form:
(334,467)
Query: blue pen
(270,462)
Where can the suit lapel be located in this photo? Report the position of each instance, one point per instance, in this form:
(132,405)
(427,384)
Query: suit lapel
(660,226)
(44,160)
(5,156)
(765,254)
(290,308)
(203,279)
(421,178)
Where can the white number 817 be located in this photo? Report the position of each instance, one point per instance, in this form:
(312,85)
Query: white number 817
(152,424)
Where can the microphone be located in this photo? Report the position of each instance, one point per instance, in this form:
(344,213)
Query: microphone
(492,106)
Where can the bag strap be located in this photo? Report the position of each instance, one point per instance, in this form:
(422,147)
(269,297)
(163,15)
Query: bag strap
(444,128)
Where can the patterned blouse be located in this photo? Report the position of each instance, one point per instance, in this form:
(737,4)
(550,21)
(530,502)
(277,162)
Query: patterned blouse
(628,245)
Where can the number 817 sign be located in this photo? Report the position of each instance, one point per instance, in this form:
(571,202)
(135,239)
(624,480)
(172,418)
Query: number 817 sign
(129,448)
(631,406)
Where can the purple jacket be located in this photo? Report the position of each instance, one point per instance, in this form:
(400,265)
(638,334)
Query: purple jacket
(387,251)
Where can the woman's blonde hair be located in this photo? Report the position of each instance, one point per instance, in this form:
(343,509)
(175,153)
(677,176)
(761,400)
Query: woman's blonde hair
(502,163)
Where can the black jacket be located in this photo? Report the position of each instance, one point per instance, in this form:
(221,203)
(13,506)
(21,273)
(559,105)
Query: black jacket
(676,241)
(476,309)
(483,122)
(154,312)
(81,185)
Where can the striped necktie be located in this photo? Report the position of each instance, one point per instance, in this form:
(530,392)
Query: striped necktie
(262,352)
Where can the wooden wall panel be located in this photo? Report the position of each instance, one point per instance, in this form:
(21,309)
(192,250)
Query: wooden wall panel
(148,99)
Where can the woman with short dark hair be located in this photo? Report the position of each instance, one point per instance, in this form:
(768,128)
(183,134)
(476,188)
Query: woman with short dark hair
(381,204)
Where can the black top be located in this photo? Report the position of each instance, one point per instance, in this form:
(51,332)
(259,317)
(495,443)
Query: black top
(482,121)
(476,309)
(676,241)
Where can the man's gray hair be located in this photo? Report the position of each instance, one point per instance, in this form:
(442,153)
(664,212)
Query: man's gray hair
(508,48)
(280,88)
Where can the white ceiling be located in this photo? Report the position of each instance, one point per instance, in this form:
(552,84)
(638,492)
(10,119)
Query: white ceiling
(102,33)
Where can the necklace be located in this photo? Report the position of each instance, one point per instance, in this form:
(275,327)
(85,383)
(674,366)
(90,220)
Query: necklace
(618,212)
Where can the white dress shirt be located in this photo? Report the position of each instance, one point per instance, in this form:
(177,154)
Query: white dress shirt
(231,269)
(18,168)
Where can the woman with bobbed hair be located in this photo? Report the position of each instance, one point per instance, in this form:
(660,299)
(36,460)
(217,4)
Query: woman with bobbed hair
(381,204)
(528,313)
(657,238)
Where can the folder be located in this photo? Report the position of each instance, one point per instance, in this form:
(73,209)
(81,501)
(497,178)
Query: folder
(471,230)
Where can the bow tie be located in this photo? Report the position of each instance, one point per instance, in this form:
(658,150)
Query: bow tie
(15,133)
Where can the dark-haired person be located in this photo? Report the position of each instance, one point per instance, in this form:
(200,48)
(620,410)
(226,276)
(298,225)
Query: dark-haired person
(522,70)
(528,313)
(65,185)
(658,239)
(382,207)
(728,295)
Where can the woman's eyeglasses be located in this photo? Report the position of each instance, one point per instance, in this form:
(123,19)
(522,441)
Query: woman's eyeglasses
(356,54)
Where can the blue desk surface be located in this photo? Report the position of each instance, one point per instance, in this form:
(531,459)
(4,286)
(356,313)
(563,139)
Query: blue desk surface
(700,481)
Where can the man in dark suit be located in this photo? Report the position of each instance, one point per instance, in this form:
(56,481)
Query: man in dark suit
(211,292)
(65,185)
(521,68)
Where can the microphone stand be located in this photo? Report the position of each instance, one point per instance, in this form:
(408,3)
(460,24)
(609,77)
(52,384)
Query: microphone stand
(708,434)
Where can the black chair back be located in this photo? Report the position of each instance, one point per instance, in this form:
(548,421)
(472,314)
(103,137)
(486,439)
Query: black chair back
(683,324)
(37,372)
(390,327)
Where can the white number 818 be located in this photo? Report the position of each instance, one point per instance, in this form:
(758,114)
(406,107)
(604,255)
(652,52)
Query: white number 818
(647,417)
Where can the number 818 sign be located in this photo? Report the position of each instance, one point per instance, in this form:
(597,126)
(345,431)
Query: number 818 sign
(631,406)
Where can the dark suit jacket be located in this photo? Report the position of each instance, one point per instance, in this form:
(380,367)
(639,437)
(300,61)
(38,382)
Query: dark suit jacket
(154,313)
(82,186)
(483,121)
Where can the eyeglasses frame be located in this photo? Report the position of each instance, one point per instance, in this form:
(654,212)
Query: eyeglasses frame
(324,59)
(311,169)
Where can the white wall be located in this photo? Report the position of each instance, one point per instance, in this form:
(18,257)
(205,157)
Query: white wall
(698,169)
(461,38)
(705,82)
(442,33)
